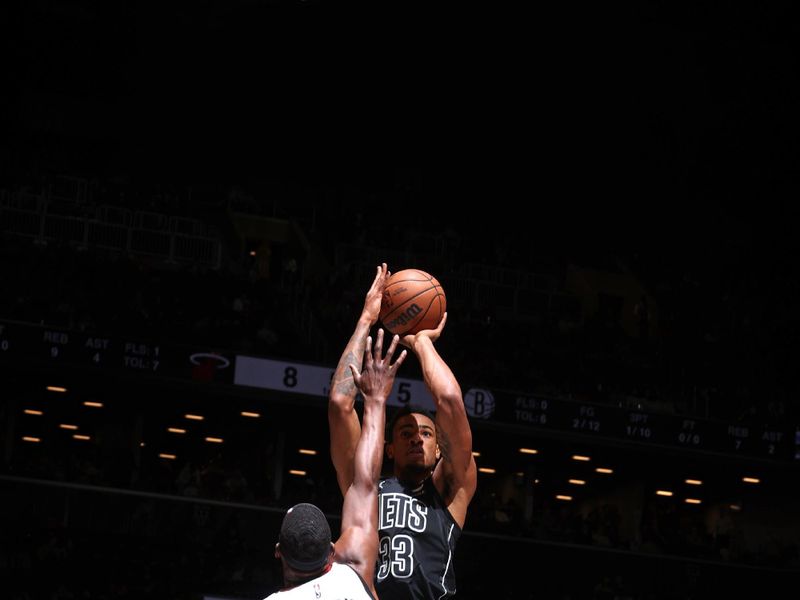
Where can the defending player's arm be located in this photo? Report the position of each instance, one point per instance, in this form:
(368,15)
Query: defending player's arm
(342,417)
(358,544)
(456,474)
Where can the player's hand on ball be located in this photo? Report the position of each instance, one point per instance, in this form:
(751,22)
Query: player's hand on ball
(372,302)
(432,334)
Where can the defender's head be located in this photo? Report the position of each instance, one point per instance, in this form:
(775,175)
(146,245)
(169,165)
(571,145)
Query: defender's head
(304,544)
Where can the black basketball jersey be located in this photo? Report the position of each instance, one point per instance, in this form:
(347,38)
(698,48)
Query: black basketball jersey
(417,539)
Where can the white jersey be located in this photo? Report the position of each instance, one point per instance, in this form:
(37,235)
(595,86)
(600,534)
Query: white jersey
(340,583)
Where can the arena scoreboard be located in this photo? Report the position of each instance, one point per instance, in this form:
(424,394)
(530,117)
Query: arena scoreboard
(748,439)
(47,347)
(40,346)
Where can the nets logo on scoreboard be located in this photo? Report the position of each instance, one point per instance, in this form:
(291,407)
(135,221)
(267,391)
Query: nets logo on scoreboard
(479,403)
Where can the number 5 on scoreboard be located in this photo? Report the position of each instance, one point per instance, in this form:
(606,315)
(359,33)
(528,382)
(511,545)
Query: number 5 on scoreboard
(404,392)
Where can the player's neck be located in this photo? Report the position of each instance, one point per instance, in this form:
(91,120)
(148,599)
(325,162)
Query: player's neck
(413,478)
(292,578)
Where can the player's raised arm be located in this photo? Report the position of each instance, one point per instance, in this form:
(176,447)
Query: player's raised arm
(342,416)
(455,475)
(358,543)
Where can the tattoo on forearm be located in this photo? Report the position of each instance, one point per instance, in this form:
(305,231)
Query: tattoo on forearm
(345,387)
(343,379)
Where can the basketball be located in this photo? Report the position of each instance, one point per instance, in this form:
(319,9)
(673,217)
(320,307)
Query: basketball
(413,300)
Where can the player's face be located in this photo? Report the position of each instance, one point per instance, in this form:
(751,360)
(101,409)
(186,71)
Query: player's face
(414,442)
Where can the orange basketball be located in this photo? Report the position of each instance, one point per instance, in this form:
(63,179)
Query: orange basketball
(412,301)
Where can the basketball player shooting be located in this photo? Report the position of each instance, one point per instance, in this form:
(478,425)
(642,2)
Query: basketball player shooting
(313,567)
(423,507)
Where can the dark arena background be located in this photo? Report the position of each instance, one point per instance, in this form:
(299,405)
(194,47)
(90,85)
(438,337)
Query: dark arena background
(193,201)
